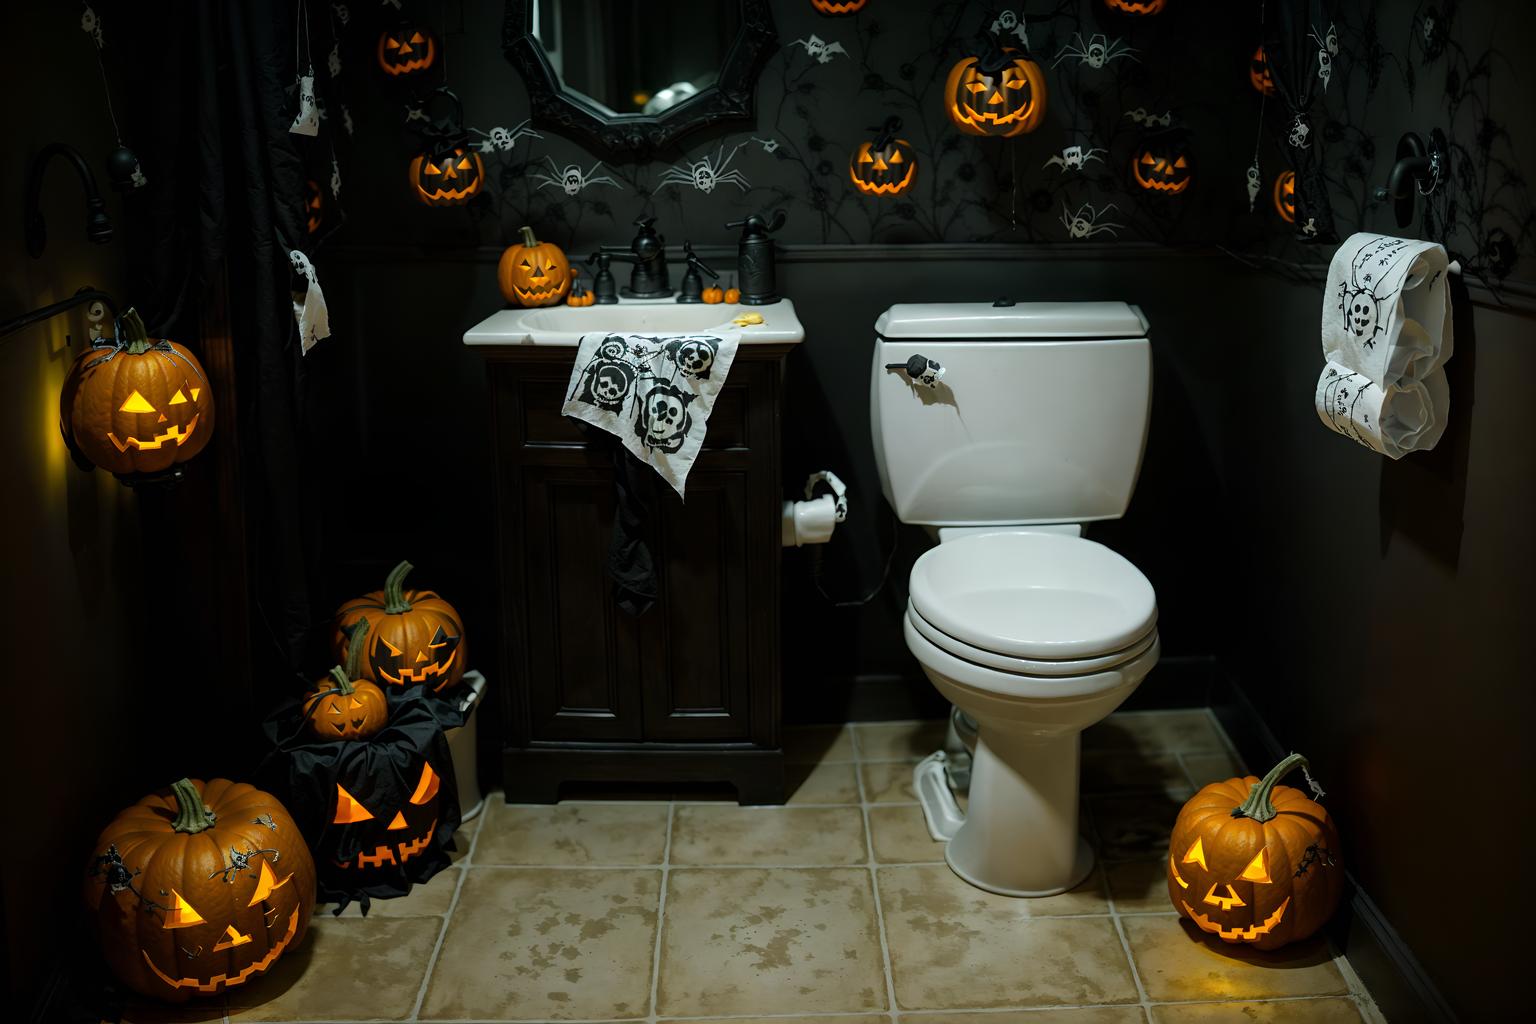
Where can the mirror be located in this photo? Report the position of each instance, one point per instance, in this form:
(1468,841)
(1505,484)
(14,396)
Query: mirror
(629,76)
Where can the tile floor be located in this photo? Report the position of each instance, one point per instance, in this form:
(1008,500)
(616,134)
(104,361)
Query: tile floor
(835,909)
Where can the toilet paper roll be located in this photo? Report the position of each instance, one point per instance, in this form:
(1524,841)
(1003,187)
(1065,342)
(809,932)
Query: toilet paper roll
(1387,311)
(1394,420)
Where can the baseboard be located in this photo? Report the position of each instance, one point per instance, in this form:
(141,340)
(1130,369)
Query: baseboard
(1396,980)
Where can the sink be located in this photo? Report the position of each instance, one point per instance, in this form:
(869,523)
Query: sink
(564,325)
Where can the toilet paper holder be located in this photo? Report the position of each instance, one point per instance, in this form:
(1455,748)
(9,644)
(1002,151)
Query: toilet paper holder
(1419,168)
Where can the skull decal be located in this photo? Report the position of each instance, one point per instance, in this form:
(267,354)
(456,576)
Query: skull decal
(663,421)
(1360,315)
(607,384)
(693,356)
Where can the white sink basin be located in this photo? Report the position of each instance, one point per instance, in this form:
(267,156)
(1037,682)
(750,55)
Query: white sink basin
(564,325)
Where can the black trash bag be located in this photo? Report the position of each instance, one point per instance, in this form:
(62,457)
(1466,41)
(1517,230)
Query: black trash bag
(378,814)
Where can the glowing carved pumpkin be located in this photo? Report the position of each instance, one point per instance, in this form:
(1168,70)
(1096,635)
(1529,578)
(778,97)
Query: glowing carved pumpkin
(534,273)
(134,405)
(447,177)
(1136,6)
(1285,196)
(1162,164)
(1258,73)
(416,637)
(838,6)
(392,839)
(339,708)
(1254,862)
(1001,96)
(884,167)
(406,49)
(197,889)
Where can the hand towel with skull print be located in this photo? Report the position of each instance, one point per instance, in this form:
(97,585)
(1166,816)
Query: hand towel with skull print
(654,392)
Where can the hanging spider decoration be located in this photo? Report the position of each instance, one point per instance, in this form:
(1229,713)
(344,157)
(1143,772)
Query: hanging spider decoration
(239,862)
(1097,52)
(1327,49)
(1085,222)
(705,174)
(1073,158)
(501,140)
(571,179)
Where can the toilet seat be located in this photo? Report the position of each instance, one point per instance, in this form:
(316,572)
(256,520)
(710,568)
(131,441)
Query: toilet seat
(1028,666)
(1032,596)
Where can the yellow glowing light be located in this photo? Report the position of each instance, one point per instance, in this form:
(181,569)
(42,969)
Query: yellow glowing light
(232,938)
(267,883)
(426,788)
(348,810)
(1257,870)
(398,822)
(195,392)
(135,402)
(178,398)
(393,650)
(1176,877)
(182,915)
(1196,855)
(1227,902)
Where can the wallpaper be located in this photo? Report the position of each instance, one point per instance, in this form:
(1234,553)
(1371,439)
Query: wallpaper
(1119,86)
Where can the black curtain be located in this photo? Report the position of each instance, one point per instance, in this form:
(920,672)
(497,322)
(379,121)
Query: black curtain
(1301,43)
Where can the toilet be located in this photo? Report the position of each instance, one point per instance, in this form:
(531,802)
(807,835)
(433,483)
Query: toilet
(1003,428)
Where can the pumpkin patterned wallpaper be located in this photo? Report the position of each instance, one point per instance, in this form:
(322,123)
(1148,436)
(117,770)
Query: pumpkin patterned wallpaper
(1176,95)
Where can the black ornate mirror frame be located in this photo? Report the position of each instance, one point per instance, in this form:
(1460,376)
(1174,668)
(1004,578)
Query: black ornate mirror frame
(570,113)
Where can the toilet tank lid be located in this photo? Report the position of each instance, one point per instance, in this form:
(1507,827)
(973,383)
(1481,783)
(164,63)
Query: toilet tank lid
(1023,320)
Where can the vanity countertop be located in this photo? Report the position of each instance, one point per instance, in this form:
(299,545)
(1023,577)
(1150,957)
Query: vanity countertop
(563,326)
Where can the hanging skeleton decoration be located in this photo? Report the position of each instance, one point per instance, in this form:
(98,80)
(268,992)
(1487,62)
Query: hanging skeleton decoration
(1097,52)
(1009,23)
(1085,222)
(1255,184)
(705,174)
(571,180)
(90,24)
(1299,132)
(819,49)
(1073,158)
(342,14)
(1327,49)
(333,62)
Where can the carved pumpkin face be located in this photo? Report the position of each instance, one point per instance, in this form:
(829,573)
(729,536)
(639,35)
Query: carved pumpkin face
(838,6)
(199,889)
(883,171)
(407,49)
(136,406)
(1258,73)
(1255,863)
(534,273)
(1285,196)
(388,836)
(416,638)
(314,206)
(451,177)
(1007,102)
(1136,6)
(1162,164)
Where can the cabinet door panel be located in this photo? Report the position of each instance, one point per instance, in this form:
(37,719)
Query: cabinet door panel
(583,654)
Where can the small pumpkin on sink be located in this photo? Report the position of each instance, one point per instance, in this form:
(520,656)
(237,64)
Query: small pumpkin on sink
(713,294)
(579,296)
(732,294)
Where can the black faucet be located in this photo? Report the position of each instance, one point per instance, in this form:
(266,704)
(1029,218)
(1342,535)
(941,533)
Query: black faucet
(604,291)
(754,258)
(693,284)
(648,252)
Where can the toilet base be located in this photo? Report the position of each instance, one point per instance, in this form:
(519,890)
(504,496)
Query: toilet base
(1082,867)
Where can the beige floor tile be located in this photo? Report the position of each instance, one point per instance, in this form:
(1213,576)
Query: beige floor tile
(812,743)
(199,1011)
(954,946)
(547,944)
(1177,961)
(1075,1015)
(826,783)
(1136,827)
(899,741)
(746,940)
(429,899)
(347,969)
(726,834)
(573,834)
(465,836)
(1113,771)
(1204,769)
(1156,732)
(1290,1011)
(891,782)
(901,836)
(1139,886)
(842,1018)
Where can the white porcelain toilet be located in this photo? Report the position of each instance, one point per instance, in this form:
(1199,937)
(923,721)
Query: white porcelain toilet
(1035,426)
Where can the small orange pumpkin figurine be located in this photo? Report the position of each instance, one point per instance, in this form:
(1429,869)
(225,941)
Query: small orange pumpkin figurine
(713,294)
(579,296)
(1254,862)
(732,294)
(534,273)
(341,708)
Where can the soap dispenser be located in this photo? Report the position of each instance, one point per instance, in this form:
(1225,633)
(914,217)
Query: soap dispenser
(754,260)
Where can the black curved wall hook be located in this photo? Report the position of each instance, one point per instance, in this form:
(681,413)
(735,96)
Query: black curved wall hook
(98,226)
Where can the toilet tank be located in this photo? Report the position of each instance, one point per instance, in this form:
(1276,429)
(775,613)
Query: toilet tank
(1040,417)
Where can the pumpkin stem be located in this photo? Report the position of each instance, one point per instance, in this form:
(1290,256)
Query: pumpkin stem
(354,651)
(394,600)
(131,332)
(1258,806)
(192,815)
(528,238)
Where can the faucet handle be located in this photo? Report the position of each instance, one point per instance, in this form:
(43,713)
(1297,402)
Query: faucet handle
(696,263)
(644,222)
(754,225)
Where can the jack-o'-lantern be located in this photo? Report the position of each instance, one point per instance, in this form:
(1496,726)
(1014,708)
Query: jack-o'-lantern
(1254,862)
(314,206)
(406,49)
(1136,6)
(838,6)
(416,637)
(199,888)
(450,176)
(533,273)
(1001,95)
(884,166)
(1258,72)
(1285,196)
(136,405)
(1162,164)
(396,834)
(341,708)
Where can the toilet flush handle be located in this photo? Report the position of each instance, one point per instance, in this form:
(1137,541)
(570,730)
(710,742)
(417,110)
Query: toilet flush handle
(920,370)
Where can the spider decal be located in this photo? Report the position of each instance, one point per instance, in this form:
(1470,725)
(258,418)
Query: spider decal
(1085,222)
(239,862)
(1359,305)
(705,174)
(1098,51)
(1073,158)
(571,179)
(503,139)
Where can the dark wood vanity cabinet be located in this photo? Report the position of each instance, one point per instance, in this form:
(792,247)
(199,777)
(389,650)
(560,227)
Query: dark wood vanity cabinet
(686,691)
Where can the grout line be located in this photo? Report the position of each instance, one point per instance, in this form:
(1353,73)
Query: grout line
(874,890)
(453,904)
(661,912)
(1114,913)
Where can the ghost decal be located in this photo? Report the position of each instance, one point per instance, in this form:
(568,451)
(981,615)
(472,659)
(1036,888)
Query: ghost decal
(663,421)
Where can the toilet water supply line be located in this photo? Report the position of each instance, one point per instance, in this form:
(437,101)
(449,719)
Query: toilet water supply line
(812,521)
